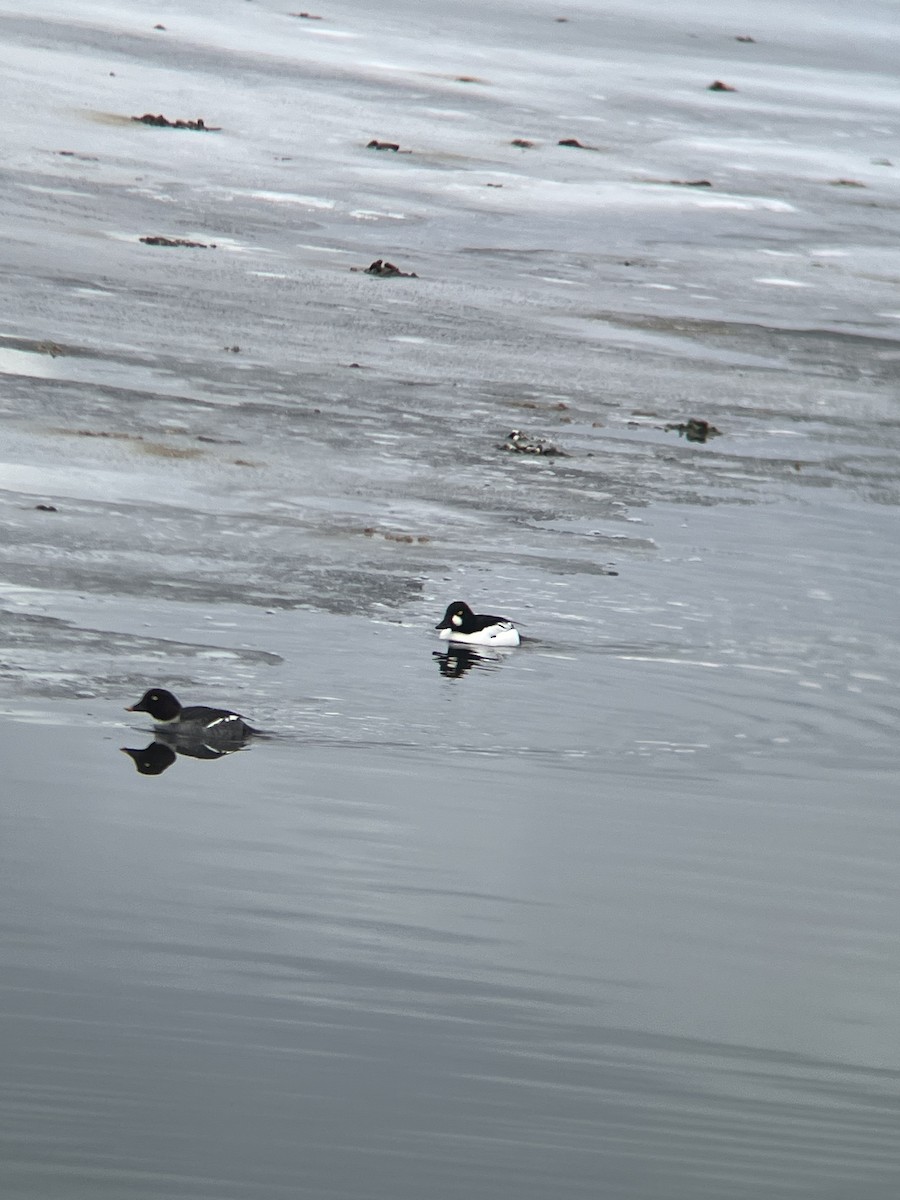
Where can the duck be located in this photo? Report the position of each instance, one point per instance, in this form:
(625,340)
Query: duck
(197,721)
(460,624)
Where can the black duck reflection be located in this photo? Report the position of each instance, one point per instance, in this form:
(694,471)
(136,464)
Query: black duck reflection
(458,660)
(159,755)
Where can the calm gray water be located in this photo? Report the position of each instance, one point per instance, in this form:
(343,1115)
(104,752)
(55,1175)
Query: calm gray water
(613,914)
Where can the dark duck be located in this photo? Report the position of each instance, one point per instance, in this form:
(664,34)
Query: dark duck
(196,721)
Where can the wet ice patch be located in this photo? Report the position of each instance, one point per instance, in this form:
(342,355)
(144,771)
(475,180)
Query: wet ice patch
(372,214)
(776,282)
(291,198)
(27,362)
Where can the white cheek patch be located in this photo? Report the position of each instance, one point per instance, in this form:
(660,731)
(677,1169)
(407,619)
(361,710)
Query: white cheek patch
(456,620)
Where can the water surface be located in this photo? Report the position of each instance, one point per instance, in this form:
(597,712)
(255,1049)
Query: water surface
(611,914)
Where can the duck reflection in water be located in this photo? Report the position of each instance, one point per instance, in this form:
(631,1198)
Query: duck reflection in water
(459,660)
(161,753)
